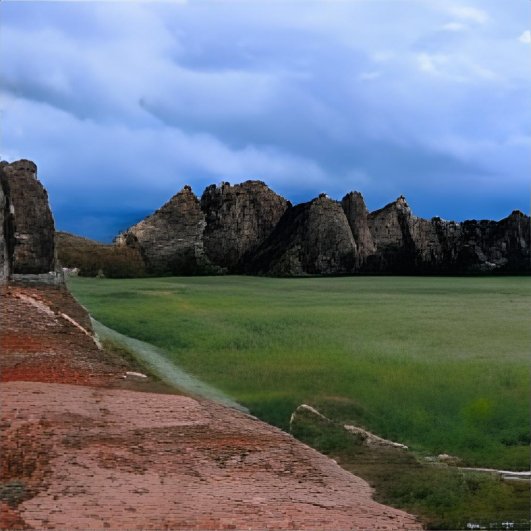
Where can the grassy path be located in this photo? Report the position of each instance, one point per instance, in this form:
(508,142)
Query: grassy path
(157,363)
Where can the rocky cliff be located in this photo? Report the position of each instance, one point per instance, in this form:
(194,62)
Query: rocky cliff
(27,244)
(248,228)
(403,242)
(238,220)
(188,236)
(171,239)
(311,238)
(408,244)
(358,220)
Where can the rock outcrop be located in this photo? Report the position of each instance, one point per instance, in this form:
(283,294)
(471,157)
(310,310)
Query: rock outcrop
(489,246)
(402,241)
(238,220)
(188,236)
(357,216)
(407,244)
(27,246)
(310,239)
(171,239)
(249,228)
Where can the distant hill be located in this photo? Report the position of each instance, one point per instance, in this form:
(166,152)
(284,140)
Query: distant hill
(91,257)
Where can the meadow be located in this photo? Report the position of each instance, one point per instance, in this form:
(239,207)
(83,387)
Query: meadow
(439,364)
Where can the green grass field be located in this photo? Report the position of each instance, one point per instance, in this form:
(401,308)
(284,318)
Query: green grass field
(439,364)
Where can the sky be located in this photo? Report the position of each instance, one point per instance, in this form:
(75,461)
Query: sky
(120,104)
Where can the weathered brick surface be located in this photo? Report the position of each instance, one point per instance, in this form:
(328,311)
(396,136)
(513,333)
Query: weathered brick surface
(125,459)
(78,454)
(38,344)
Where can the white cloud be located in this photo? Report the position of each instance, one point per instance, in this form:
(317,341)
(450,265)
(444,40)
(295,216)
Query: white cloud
(454,68)
(430,63)
(368,76)
(482,72)
(525,37)
(471,14)
(454,26)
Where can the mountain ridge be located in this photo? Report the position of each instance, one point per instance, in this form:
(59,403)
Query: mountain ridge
(248,228)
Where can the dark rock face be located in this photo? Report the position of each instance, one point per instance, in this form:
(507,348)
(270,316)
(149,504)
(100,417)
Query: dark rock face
(512,239)
(407,244)
(311,238)
(238,220)
(357,216)
(28,230)
(171,239)
(489,246)
(402,241)
(248,228)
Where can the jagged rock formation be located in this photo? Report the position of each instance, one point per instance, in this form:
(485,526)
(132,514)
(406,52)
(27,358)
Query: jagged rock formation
(311,238)
(490,246)
(188,236)
(238,220)
(402,241)
(27,245)
(357,216)
(171,239)
(248,228)
(407,244)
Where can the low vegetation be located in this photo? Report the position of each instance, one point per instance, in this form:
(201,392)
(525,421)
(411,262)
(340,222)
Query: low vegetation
(93,258)
(443,497)
(438,364)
